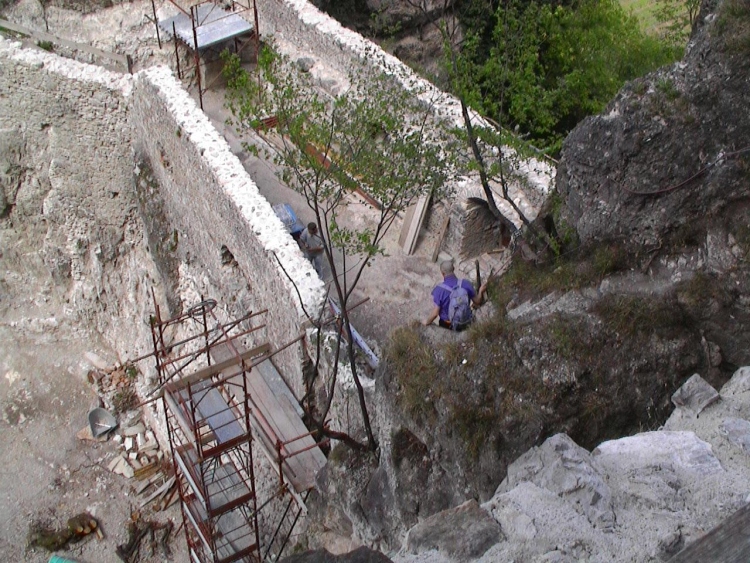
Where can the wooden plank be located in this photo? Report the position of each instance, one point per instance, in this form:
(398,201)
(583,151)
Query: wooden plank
(42,36)
(441,235)
(280,421)
(218,367)
(277,419)
(408,218)
(729,542)
(415,225)
(161,490)
(279,386)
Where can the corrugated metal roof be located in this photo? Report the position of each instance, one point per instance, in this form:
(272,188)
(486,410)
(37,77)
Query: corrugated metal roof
(214,25)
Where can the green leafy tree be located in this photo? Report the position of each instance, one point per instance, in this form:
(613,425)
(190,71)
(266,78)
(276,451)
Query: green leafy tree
(373,138)
(677,18)
(549,66)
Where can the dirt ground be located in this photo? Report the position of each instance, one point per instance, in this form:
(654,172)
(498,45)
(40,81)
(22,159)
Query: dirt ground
(47,475)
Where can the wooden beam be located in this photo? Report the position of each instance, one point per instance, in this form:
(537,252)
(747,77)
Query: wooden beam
(441,235)
(212,370)
(729,542)
(413,224)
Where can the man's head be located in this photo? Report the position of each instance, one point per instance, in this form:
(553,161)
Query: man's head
(446,267)
(312,228)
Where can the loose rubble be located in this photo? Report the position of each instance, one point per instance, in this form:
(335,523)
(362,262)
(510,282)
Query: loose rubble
(140,458)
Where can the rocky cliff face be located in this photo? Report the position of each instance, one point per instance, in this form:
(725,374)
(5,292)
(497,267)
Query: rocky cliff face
(671,152)
(657,192)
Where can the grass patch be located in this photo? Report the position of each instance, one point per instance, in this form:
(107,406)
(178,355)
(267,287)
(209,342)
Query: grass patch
(667,87)
(701,293)
(581,268)
(632,316)
(734,25)
(474,425)
(124,400)
(645,12)
(416,371)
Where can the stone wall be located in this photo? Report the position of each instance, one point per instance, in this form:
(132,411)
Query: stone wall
(300,30)
(79,217)
(71,236)
(73,129)
(213,204)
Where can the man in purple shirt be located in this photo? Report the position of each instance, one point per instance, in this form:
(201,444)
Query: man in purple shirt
(441,296)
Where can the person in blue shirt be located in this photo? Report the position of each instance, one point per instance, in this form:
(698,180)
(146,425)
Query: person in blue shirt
(441,296)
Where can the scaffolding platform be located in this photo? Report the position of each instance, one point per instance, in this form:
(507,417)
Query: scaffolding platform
(213,25)
(278,423)
(222,402)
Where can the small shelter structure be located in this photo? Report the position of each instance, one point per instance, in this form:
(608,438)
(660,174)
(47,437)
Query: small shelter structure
(206,29)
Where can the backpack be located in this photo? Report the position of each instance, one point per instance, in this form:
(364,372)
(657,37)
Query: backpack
(459,306)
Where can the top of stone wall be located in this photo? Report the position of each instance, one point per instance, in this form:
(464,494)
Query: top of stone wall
(52,63)
(238,186)
(539,174)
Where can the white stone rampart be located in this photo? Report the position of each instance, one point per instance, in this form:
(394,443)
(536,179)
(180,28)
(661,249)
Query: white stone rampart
(212,202)
(301,30)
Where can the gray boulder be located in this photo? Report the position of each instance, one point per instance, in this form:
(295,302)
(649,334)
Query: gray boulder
(462,533)
(695,395)
(563,467)
(737,431)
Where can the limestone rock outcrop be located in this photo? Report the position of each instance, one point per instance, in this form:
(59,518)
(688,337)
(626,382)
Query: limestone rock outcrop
(638,498)
(672,148)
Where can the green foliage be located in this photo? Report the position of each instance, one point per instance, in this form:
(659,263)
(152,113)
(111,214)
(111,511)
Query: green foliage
(370,139)
(550,66)
(46,45)
(734,25)
(676,19)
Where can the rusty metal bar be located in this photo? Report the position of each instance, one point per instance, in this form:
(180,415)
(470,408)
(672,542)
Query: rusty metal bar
(197,56)
(176,50)
(156,24)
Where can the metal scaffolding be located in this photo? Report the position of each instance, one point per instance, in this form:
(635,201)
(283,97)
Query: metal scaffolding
(206,28)
(222,401)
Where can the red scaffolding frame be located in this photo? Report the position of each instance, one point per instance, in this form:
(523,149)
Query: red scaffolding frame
(219,409)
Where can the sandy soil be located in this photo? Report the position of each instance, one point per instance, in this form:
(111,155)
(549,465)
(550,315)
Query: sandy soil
(47,475)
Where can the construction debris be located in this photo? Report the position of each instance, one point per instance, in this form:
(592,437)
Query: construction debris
(78,527)
(139,529)
(140,457)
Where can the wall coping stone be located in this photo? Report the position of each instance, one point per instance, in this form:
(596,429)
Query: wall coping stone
(75,70)
(239,187)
